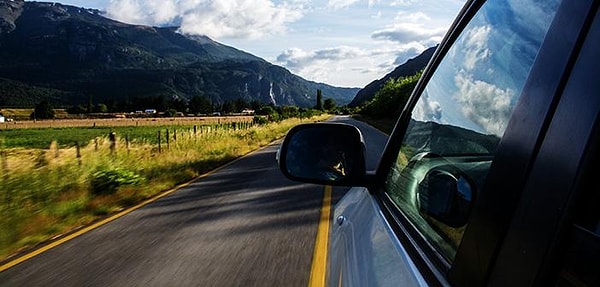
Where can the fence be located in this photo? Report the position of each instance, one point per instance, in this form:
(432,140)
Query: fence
(165,138)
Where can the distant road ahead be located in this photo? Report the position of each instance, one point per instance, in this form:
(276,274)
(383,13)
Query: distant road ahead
(375,140)
(243,225)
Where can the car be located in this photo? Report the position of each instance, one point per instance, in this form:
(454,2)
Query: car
(489,177)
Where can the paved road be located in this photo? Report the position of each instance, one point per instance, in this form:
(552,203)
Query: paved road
(375,141)
(244,225)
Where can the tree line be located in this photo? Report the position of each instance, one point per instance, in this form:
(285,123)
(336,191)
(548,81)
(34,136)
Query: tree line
(197,105)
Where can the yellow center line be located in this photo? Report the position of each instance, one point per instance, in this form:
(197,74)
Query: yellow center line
(319,261)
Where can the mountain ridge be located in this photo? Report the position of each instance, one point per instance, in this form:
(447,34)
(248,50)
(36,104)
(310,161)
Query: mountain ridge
(409,68)
(76,54)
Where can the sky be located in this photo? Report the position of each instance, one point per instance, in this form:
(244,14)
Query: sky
(344,43)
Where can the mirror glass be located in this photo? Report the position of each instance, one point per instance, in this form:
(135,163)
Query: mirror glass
(323,152)
(445,197)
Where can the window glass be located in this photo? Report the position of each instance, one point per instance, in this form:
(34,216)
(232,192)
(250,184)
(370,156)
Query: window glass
(461,116)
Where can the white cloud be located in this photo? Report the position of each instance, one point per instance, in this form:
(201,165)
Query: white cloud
(373,2)
(345,65)
(410,28)
(217,18)
(403,2)
(338,4)
(427,110)
(534,16)
(342,66)
(324,65)
(405,33)
(475,43)
(407,52)
(299,59)
(485,104)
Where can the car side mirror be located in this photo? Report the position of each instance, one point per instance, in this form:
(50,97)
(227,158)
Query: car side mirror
(323,153)
(446,197)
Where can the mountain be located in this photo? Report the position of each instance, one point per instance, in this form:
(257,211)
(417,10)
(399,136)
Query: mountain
(411,67)
(69,55)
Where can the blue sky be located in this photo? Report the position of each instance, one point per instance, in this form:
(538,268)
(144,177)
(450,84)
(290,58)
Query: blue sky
(346,43)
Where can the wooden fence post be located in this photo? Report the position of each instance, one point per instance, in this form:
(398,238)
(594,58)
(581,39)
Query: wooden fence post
(159,151)
(78,154)
(56,151)
(4,159)
(112,137)
(168,142)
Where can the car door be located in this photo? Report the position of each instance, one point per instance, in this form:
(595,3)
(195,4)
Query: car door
(554,235)
(453,172)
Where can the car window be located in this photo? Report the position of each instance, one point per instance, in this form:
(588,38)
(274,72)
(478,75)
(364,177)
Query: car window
(461,116)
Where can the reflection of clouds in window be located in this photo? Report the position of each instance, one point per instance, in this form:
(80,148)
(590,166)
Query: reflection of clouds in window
(483,103)
(427,110)
(475,46)
(533,16)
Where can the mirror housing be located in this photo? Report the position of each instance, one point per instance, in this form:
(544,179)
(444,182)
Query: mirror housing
(324,153)
(446,197)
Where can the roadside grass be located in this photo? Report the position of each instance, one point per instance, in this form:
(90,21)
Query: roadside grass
(48,192)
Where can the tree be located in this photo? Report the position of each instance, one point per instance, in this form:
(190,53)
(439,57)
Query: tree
(256,105)
(43,110)
(177,104)
(170,113)
(76,110)
(229,107)
(270,112)
(266,111)
(319,105)
(200,105)
(90,107)
(100,108)
(329,104)
(287,112)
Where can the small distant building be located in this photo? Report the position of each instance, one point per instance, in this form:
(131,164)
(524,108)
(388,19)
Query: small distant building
(150,111)
(247,112)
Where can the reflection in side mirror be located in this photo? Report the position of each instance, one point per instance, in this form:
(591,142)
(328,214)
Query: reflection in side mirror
(446,197)
(324,153)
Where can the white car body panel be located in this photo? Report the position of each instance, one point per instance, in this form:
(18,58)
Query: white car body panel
(363,249)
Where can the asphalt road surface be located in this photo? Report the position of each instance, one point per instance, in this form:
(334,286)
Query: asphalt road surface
(243,225)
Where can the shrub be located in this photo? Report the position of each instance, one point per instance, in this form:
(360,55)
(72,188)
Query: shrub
(389,101)
(260,120)
(106,181)
(43,110)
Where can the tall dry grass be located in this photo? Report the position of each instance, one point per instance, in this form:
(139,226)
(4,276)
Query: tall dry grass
(47,192)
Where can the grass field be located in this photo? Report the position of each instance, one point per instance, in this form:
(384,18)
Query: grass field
(40,134)
(49,191)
